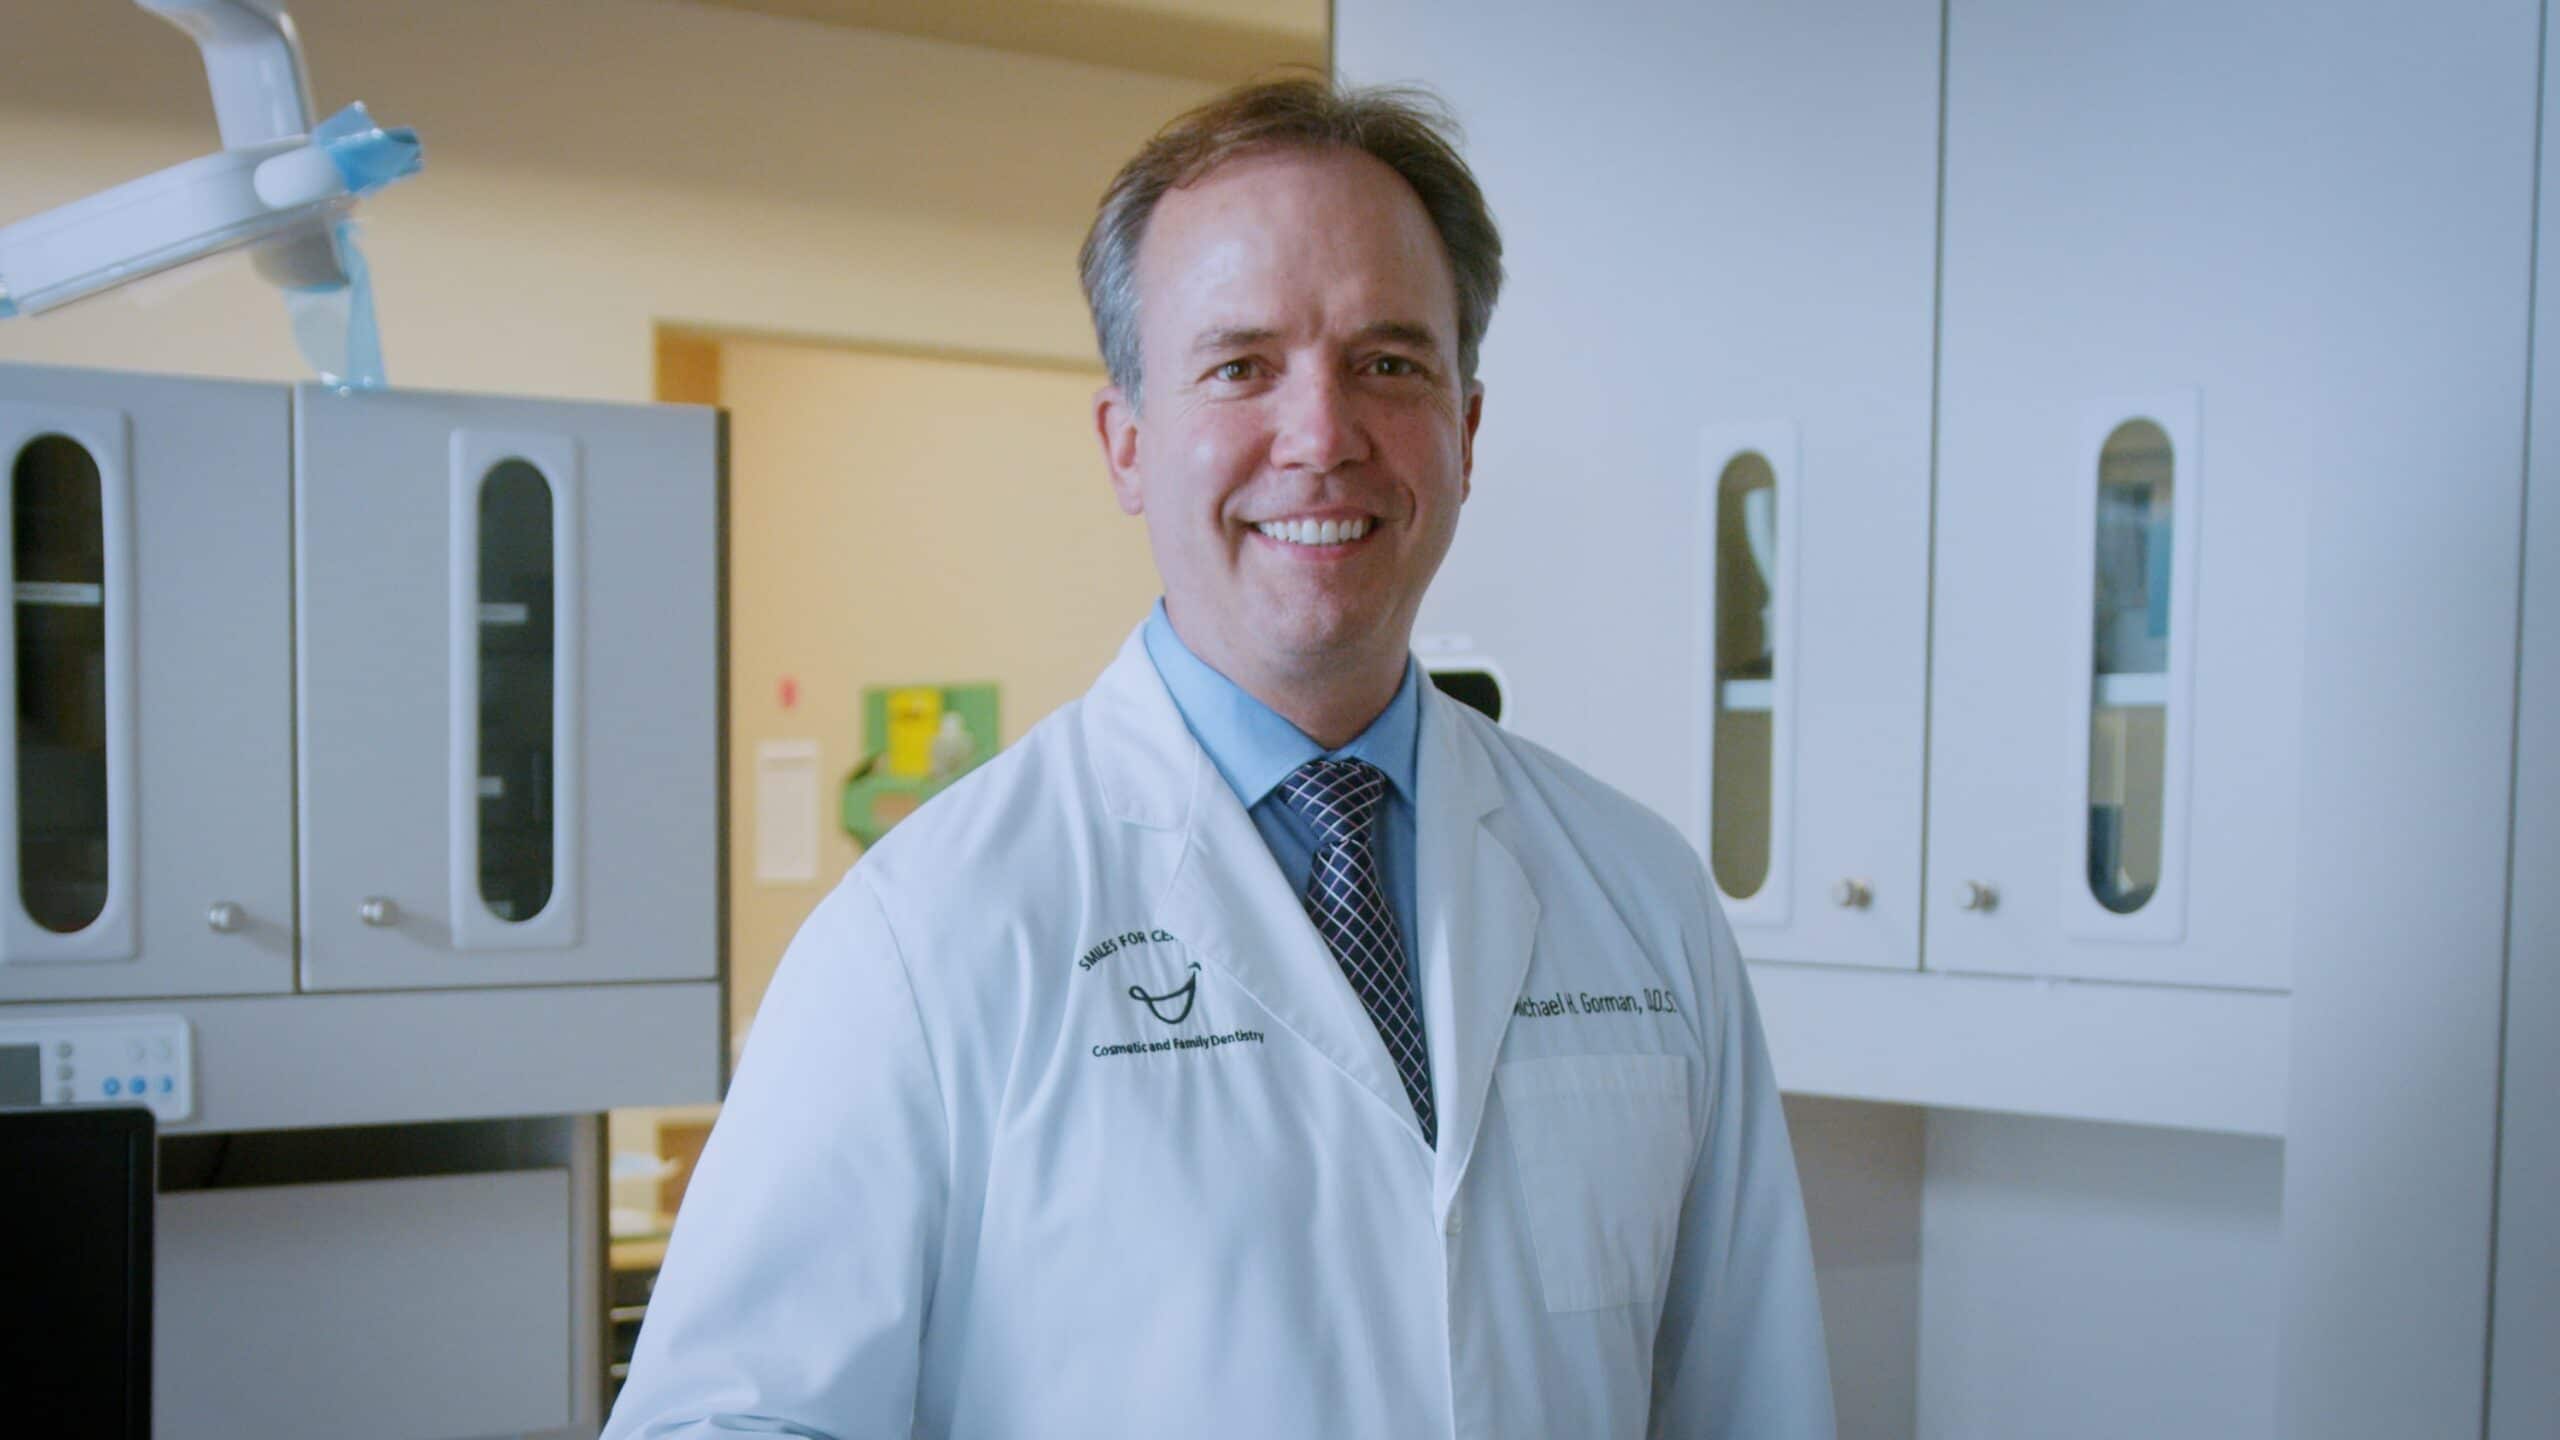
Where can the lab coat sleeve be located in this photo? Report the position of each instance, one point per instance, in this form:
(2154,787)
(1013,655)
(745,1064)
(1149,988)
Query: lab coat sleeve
(1740,1352)
(793,1296)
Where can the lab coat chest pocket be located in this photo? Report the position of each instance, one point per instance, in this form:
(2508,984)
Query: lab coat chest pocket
(1604,1149)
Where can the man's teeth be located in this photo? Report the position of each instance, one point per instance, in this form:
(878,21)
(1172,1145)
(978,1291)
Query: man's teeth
(1315,532)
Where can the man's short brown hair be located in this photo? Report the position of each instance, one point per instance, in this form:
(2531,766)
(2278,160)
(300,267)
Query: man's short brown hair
(1409,130)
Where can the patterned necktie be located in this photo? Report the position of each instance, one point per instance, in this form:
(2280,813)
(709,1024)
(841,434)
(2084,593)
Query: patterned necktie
(1349,907)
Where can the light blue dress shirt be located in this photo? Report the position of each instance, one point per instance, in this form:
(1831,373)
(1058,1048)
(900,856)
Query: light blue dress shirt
(1255,749)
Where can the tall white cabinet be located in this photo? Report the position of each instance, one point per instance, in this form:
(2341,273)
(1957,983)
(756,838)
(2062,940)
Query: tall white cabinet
(1918,419)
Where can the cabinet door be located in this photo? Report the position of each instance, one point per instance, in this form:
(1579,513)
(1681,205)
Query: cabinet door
(509,667)
(1812,345)
(2202,263)
(1715,340)
(148,791)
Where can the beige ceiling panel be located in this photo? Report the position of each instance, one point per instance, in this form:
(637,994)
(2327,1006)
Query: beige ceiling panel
(1220,41)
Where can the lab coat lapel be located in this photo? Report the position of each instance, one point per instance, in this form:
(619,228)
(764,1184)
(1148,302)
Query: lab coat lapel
(1227,901)
(1478,918)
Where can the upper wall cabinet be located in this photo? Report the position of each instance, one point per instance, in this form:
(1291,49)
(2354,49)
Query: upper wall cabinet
(510,696)
(1902,427)
(2202,264)
(1698,538)
(317,690)
(146,839)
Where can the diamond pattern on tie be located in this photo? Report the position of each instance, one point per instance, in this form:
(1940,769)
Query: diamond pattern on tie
(1348,904)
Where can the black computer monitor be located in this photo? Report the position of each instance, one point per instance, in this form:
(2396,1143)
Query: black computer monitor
(76,1188)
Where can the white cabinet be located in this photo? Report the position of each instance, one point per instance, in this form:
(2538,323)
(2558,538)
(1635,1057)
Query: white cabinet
(356,691)
(2129,266)
(509,702)
(2041,331)
(2179,246)
(148,839)
(2264,271)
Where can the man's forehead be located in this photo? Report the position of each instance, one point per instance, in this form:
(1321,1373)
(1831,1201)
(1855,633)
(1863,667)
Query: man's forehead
(1269,166)
(1274,197)
(1267,236)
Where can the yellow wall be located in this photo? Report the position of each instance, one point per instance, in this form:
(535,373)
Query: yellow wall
(595,167)
(902,519)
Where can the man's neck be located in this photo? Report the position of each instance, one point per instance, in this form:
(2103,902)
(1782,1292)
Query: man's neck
(1330,700)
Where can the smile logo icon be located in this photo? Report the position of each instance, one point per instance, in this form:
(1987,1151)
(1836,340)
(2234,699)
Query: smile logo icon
(1188,991)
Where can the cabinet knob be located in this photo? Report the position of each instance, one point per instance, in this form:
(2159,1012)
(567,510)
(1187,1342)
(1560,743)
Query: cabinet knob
(225,917)
(1853,895)
(1978,897)
(378,911)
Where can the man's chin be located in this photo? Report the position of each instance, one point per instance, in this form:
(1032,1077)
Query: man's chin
(1315,644)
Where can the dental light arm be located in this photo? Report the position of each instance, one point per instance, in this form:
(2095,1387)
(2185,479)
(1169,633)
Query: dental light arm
(281,187)
(253,61)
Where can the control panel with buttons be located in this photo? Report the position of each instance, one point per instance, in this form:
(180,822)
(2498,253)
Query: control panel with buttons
(94,1060)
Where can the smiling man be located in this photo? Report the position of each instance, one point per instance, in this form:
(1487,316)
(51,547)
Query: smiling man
(1265,1043)
(1301,443)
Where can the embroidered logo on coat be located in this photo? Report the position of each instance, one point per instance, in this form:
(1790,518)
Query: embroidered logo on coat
(1185,993)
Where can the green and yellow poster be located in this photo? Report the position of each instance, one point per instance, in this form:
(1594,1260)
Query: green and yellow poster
(916,739)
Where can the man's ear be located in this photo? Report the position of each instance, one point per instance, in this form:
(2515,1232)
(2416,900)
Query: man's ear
(1467,438)
(1115,424)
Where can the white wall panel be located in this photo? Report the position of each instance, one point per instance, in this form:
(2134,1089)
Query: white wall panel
(1861,1166)
(2408,713)
(2524,1381)
(2096,1281)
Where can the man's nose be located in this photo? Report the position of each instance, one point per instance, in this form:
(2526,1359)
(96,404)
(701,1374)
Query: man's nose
(1318,425)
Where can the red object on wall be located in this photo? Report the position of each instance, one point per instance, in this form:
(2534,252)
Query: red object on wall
(790,692)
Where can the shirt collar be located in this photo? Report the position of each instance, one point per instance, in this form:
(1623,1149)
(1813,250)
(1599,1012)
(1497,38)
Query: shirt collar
(1255,748)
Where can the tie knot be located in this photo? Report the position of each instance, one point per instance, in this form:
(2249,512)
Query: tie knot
(1337,797)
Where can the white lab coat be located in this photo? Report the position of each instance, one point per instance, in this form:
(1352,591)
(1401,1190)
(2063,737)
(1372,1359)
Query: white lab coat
(940,1202)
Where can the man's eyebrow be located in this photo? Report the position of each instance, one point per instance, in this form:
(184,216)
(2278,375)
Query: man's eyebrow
(1402,332)
(1234,337)
(1231,337)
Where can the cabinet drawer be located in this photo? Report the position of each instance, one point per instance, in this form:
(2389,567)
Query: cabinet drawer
(410,1309)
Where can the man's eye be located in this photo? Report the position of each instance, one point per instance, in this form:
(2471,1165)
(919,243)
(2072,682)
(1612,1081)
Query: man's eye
(1396,365)
(1234,370)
